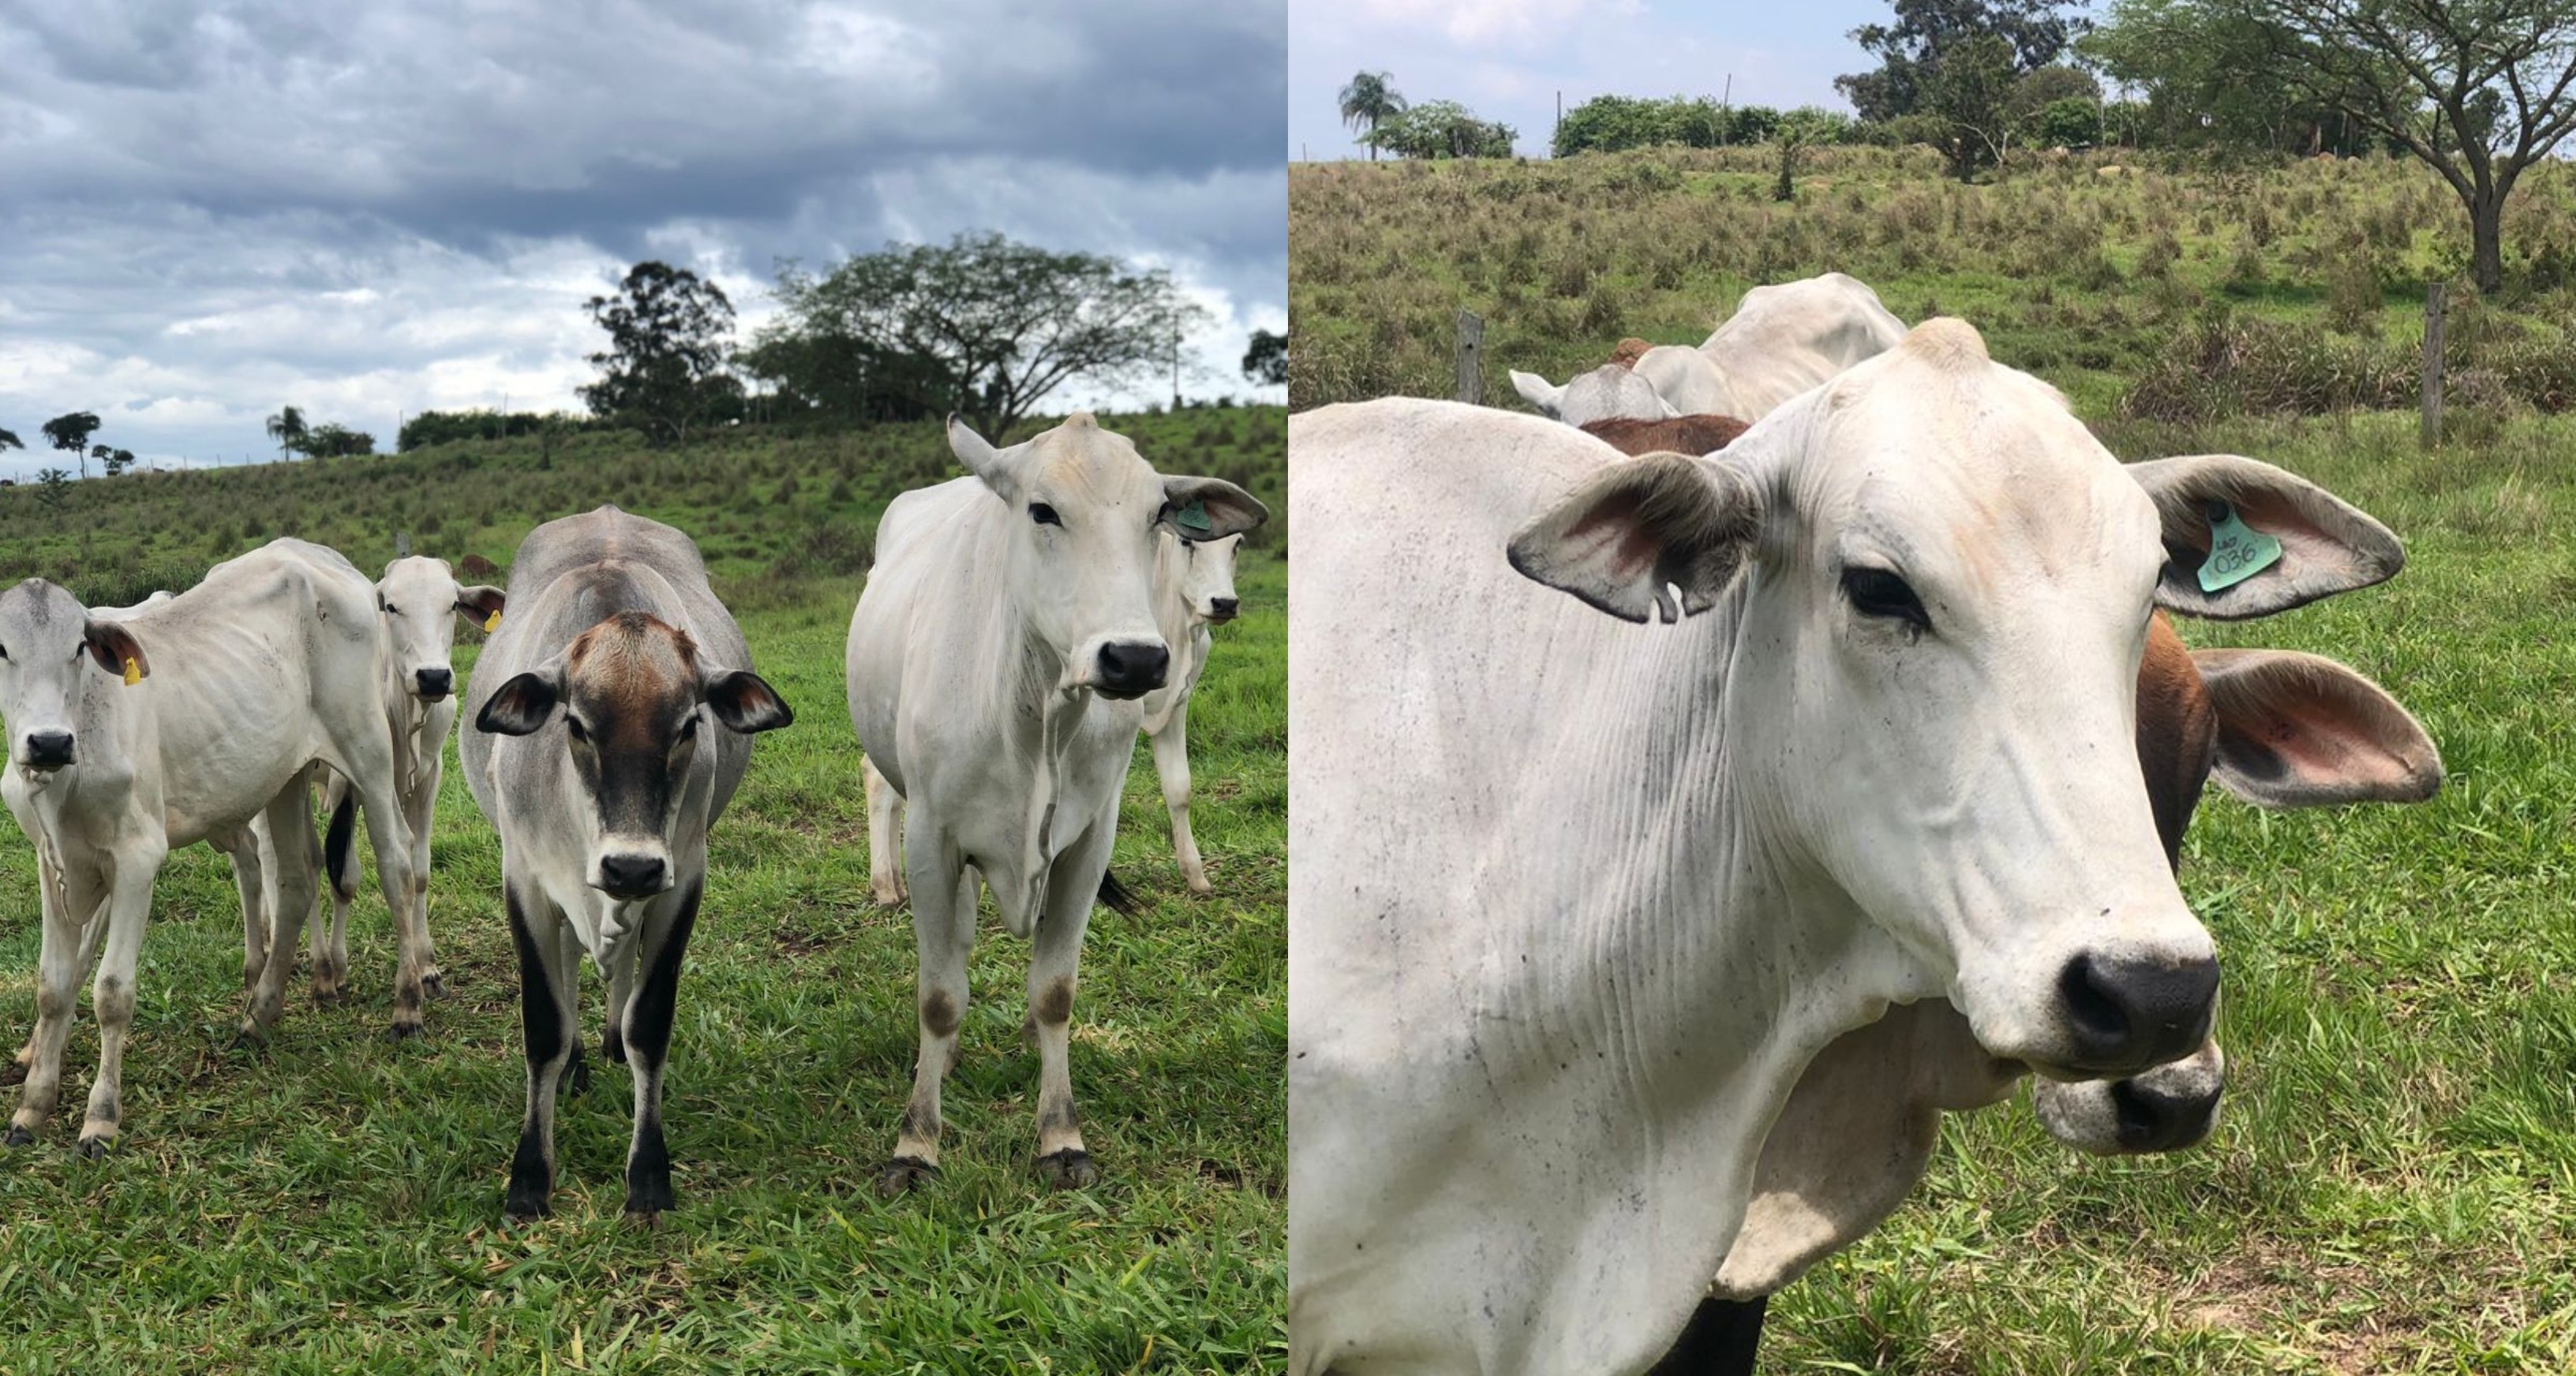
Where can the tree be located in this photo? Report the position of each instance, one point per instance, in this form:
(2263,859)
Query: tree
(9,440)
(1970,93)
(1368,102)
(287,427)
(332,440)
(71,433)
(990,327)
(2478,90)
(2202,69)
(1266,362)
(1910,52)
(664,370)
(1443,129)
(53,489)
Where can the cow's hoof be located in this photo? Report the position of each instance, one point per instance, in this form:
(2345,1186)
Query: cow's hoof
(18,1137)
(1069,1169)
(887,898)
(92,1148)
(406,1031)
(248,1038)
(904,1174)
(330,998)
(644,1220)
(578,1082)
(434,985)
(13,1074)
(523,1210)
(613,1047)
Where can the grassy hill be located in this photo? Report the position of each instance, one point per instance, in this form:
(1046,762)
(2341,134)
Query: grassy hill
(331,1203)
(2393,1184)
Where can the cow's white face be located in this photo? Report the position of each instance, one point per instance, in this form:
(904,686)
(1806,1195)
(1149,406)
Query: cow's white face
(48,645)
(419,600)
(1610,392)
(1932,700)
(1085,511)
(1207,578)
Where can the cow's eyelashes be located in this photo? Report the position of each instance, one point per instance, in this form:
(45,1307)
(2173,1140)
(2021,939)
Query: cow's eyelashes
(574,728)
(1881,593)
(1044,515)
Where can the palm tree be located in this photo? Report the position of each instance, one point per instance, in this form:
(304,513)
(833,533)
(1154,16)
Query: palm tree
(9,440)
(287,428)
(1370,101)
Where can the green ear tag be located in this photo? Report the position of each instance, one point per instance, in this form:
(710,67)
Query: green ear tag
(2236,552)
(1194,519)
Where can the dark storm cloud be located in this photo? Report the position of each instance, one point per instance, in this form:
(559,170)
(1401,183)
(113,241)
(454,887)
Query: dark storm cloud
(212,211)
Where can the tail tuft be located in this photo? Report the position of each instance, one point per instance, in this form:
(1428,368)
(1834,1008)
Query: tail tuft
(339,858)
(1115,897)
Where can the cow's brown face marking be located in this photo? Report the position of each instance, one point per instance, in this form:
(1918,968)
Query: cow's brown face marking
(631,686)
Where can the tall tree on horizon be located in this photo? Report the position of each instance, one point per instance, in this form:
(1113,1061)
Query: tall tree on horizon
(665,366)
(1369,101)
(287,427)
(1911,50)
(71,432)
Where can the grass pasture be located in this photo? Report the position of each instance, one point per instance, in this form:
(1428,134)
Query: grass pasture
(2393,1185)
(332,1203)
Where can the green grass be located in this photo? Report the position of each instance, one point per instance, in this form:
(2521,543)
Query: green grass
(2393,1184)
(332,1203)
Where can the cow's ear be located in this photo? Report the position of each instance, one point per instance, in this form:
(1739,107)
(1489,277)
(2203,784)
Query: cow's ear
(2300,541)
(480,604)
(2299,730)
(1209,508)
(1538,392)
(117,651)
(522,706)
(743,701)
(1636,531)
(999,468)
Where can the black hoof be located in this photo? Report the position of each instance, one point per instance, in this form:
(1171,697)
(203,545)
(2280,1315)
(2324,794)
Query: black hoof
(1069,1169)
(650,1199)
(613,1046)
(578,1080)
(18,1137)
(330,998)
(405,1031)
(247,1039)
(13,1074)
(903,1174)
(434,984)
(525,1206)
(92,1148)
(643,1220)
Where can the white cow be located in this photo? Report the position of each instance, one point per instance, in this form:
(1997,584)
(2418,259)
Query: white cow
(997,661)
(181,723)
(1782,340)
(420,600)
(1612,391)
(1575,905)
(1193,590)
(613,725)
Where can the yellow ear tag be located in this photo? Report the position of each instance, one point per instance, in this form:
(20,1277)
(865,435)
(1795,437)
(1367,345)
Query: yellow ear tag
(133,671)
(491,623)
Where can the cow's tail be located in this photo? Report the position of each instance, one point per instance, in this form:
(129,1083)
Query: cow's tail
(339,857)
(1115,897)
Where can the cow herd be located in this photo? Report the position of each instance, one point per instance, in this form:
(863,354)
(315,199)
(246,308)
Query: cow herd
(1640,935)
(1020,628)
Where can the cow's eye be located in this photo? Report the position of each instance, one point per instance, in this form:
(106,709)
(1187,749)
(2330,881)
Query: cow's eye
(574,728)
(1044,515)
(1879,592)
(688,727)
(4,652)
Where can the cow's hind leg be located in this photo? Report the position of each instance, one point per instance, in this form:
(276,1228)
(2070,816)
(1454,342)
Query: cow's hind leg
(1055,960)
(943,929)
(647,1023)
(250,877)
(1172,762)
(549,1025)
(885,825)
(291,856)
(1721,1340)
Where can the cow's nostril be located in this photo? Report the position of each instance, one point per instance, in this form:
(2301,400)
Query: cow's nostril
(2124,1012)
(1131,669)
(630,876)
(435,683)
(49,747)
(1224,608)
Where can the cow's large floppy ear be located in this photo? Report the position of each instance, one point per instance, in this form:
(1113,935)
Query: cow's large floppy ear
(997,467)
(1209,508)
(743,701)
(523,705)
(117,651)
(2326,545)
(1538,391)
(480,603)
(2299,730)
(1631,534)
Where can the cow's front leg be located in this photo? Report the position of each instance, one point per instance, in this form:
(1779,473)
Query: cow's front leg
(548,1025)
(943,929)
(69,909)
(420,803)
(1054,962)
(129,906)
(647,1036)
(1172,763)
(389,835)
(885,825)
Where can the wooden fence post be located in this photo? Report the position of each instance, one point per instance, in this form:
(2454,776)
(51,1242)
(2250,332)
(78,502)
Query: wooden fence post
(2433,303)
(1471,358)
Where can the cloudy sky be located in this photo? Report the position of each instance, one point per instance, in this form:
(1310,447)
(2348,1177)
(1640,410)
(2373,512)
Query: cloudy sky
(1507,59)
(211,210)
